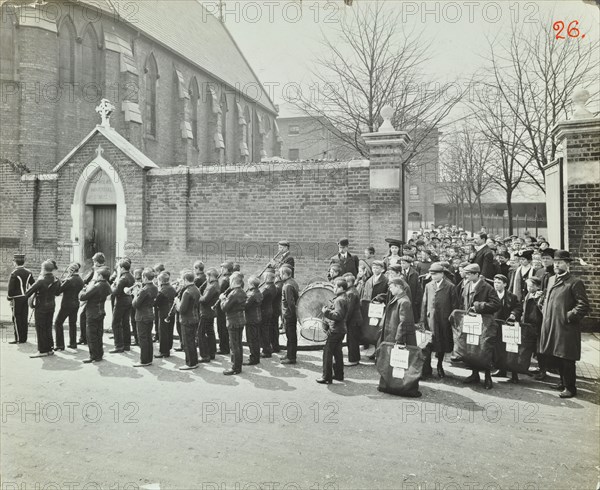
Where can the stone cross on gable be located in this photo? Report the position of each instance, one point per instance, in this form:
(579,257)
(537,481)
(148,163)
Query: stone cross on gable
(105,109)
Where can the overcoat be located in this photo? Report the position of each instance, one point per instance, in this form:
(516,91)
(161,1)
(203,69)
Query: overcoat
(565,305)
(436,308)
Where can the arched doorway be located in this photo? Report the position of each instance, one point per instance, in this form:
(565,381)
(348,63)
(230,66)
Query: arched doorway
(98,212)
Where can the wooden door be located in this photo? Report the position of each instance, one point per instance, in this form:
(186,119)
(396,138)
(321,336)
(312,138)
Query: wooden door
(105,230)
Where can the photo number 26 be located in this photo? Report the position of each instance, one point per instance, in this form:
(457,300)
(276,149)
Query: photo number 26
(572,29)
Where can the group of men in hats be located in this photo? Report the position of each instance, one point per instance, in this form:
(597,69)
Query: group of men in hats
(513,279)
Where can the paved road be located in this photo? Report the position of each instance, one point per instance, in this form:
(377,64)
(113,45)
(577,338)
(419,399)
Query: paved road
(109,425)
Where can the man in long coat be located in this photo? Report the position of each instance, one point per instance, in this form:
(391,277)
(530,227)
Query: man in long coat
(439,300)
(565,305)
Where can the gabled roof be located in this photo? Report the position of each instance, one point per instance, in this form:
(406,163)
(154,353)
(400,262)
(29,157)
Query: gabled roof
(189,29)
(116,139)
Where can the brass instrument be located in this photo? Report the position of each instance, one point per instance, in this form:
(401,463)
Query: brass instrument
(218,303)
(266,267)
(177,302)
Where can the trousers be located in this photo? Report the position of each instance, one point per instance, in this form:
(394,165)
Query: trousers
(95,331)
(235,339)
(189,331)
(333,358)
(20,320)
(43,329)
(207,342)
(70,312)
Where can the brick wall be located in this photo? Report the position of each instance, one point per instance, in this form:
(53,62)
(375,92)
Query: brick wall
(239,214)
(580,140)
(584,236)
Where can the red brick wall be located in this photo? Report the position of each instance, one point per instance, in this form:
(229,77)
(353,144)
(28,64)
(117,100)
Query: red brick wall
(240,215)
(584,237)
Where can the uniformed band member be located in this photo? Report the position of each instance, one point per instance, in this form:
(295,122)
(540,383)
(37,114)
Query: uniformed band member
(143,303)
(45,289)
(233,304)
(122,307)
(69,306)
(188,312)
(335,325)
(164,302)
(95,294)
(18,284)
(206,329)
(284,258)
(565,305)
(289,301)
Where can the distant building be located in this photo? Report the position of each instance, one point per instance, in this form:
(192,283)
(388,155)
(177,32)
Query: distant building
(305,137)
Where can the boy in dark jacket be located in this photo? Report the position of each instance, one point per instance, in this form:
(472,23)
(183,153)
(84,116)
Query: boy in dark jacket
(164,303)
(234,305)
(95,294)
(69,306)
(353,322)
(336,327)
(253,320)
(207,343)
(532,314)
(268,291)
(46,288)
(188,312)
(143,303)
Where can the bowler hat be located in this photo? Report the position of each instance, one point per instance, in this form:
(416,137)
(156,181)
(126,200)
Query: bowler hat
(343,242)
(563,255)
(473,268)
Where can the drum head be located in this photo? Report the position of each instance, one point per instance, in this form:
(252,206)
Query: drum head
(312,329)
(310,318)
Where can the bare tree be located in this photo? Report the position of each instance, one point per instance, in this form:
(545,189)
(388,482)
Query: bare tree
(502,129)
(372,62)
(467,170)
(534,75)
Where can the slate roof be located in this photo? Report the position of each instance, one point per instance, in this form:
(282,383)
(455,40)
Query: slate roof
(116,139)
(189,29)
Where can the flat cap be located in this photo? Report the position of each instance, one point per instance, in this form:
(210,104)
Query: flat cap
(473,268)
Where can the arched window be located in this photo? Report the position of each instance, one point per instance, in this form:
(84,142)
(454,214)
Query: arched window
(249,132)
(66,51)
(90,61)
(150,79)
(7,42)
(194,101)
(224,110)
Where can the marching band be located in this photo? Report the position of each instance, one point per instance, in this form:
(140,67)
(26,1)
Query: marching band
(421,283)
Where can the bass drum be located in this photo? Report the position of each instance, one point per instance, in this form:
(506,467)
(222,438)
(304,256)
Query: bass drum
(310,318)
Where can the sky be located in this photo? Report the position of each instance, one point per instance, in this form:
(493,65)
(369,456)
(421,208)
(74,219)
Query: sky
(280,38)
